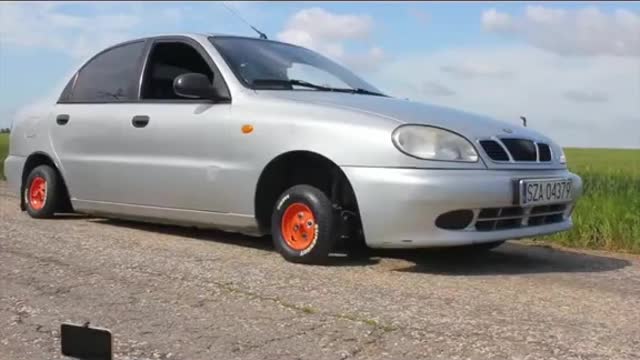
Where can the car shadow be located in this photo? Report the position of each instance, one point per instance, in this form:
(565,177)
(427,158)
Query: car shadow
(262,243)
(509,259)
(259,243)
(70,216)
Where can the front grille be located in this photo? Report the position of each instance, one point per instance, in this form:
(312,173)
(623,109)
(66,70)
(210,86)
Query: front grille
(494,150)
(514,217)
(544,152)
(517,150)
(520,149)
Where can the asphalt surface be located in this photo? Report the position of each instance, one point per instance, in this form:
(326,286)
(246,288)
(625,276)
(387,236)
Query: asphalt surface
(169,292)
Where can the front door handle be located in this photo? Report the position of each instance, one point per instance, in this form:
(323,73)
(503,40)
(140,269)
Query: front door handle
(140,121)
(62,119)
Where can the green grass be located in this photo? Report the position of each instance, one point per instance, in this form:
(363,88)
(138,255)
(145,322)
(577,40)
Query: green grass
(4,150)
(608,215)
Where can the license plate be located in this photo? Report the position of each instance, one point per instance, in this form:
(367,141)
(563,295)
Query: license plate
(544,191)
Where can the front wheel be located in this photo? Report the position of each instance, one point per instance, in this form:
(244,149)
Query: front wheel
(303,225)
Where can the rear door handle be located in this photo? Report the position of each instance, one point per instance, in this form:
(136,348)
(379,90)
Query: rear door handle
(62,119)
(140,121)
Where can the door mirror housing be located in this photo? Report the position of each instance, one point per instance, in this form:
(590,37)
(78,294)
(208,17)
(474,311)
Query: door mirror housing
(195,86)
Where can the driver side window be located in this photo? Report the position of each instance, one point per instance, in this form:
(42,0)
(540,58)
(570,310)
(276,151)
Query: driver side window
(167,61)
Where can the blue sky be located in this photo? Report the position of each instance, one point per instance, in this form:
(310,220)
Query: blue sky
(572,68)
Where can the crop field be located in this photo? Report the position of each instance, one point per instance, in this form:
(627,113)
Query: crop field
(608,215)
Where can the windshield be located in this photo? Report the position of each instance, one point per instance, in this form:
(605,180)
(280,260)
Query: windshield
(261,64)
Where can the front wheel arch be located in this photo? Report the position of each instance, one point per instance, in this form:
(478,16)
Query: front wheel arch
(289,169)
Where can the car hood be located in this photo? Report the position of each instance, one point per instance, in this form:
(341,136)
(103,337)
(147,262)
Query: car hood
(409,112)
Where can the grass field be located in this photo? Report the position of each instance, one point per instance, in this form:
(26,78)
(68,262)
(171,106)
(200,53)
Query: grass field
(607,216)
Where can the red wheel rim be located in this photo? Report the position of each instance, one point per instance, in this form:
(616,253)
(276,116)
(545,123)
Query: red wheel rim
(38,193)
(298,226)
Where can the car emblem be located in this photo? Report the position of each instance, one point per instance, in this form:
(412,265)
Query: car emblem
(508,131)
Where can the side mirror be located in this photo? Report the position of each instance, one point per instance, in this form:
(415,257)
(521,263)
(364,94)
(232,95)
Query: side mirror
(194,85)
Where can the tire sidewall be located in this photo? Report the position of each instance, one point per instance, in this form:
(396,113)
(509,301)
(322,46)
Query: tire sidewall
(50,202)
(324,238)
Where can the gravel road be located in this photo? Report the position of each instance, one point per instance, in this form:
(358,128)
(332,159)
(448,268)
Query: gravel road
(168,292)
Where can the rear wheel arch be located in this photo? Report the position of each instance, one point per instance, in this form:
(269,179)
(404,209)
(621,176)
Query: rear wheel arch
(34,160)
(300,167)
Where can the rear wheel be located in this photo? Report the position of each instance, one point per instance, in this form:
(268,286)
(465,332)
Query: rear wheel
(303,225)
(43,192)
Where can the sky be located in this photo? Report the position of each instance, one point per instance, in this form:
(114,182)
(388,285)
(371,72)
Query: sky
(573,69)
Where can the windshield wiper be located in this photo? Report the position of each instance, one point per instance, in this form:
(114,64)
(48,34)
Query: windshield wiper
(289,83)
(365,91)
(295,82)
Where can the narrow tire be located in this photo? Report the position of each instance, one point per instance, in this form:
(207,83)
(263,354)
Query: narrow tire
(43,192)
(303,225)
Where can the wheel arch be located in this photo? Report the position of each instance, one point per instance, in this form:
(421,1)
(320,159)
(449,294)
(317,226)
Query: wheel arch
(299,167)
(34,160)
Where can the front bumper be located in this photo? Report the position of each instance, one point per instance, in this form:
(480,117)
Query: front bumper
(399,207)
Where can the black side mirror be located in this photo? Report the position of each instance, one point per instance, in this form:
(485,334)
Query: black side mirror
(194,85)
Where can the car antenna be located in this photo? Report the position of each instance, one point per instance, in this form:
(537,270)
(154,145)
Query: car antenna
(524,121)
(262,35)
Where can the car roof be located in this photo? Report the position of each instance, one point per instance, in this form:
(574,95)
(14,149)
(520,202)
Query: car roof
(195,35)
(191,35)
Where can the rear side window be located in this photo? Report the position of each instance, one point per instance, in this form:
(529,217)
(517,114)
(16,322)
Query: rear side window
(66,93)
(111,76)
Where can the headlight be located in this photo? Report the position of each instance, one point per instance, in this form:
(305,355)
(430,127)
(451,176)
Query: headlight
(432,143)
(561,158)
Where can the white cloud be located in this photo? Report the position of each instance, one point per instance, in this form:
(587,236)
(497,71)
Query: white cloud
(323,25)
(469,69)
(496,21)
(435,88)
(582,96)
(330,33)
(568,98)
(48,25)
(585,31)
(367,61)
(541,14)
(44,25)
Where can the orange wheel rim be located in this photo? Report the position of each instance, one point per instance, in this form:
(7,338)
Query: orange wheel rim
(38,193)
(298,226)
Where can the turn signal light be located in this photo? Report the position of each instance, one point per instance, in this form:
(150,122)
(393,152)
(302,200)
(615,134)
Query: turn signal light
(246,129)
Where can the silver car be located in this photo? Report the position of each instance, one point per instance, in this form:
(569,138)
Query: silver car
(262,137)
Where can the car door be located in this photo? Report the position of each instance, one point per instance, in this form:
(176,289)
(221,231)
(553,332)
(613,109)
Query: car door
(89,120)
(178,151)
